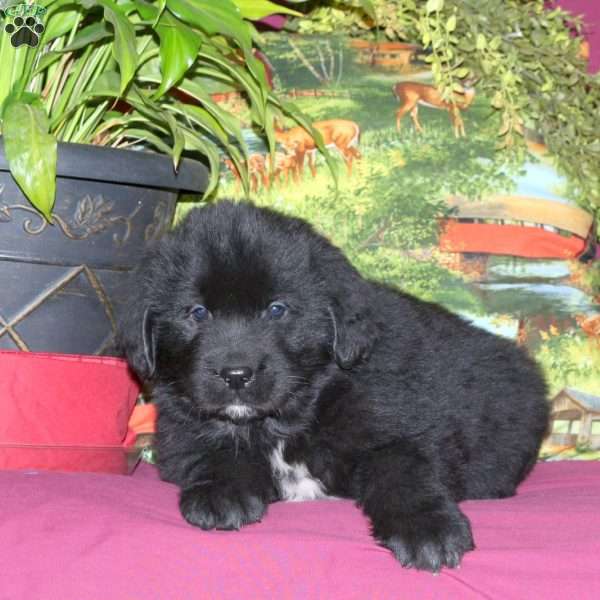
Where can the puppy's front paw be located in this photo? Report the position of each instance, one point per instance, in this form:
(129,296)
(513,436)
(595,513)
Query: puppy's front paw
(209,507)
(430,540)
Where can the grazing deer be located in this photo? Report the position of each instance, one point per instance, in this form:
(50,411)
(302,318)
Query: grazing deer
(336,133)
(284,166)
(410,94)
(257,172)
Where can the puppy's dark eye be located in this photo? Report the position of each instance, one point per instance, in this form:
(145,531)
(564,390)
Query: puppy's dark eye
(276,310)
(200,313)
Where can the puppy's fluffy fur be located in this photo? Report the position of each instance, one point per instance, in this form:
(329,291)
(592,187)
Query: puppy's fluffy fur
(280,373)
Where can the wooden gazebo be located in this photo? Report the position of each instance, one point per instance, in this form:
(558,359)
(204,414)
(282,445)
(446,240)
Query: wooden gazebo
(575,419)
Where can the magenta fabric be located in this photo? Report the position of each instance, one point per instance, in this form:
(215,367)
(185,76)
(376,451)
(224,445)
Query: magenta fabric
(83,536)
(274,21)
(590,11)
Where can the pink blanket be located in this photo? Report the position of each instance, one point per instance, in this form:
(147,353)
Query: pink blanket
(112,537)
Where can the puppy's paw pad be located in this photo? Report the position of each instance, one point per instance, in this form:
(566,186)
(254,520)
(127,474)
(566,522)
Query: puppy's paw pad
(196,510)
(210,509)
(431,542)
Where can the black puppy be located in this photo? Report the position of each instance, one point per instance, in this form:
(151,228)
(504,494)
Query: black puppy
(280,373)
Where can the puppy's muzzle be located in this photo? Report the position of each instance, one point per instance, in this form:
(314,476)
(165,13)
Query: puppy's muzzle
(242,414)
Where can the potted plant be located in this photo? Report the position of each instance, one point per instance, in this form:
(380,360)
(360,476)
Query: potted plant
(79,84)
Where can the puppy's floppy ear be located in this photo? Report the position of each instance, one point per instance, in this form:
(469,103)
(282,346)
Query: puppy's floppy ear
(137,340)
(354,328)
(353,332)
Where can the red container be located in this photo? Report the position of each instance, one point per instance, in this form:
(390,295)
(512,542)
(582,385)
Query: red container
(66,412)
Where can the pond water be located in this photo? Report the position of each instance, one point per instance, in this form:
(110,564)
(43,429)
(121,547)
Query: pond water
(507,268)
(526,288)
(531,287)
(529,299)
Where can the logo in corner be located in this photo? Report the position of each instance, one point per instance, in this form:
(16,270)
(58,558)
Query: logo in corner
(24,23)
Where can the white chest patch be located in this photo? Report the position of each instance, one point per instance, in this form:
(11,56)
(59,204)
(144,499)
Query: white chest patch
(294,480)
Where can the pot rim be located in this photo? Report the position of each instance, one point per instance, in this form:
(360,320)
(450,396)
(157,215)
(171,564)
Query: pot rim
(132,167)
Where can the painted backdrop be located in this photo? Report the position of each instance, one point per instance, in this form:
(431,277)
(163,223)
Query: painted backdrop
(426,203)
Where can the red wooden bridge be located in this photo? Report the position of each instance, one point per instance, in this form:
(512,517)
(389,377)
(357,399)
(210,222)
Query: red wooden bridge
(517,226)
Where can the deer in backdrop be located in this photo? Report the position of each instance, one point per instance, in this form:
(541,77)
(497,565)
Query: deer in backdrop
(284,167)
(340,134)
(411,94)
(257,172)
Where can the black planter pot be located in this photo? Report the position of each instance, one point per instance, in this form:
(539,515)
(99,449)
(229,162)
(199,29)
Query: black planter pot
(62,286)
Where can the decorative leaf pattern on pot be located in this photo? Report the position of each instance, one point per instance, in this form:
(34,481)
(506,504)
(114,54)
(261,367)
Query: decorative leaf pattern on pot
(160,222)
(4,212)
(92,216)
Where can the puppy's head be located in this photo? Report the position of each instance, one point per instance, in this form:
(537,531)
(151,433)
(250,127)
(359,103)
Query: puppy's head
(241,312)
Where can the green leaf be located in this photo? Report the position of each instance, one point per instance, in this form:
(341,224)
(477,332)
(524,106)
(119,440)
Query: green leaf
(45,61)
(270,130)
(210,125)
(31,152)
(88,35)
(144,135)
(495,42)
(480,42)
(258,9)
(178,139)
(179,47)
(451,24)
(225,119)
(58,23)
(434,6)
(203,119)
(249,85)
(498,100)
(369,9)
(210,150)
(124,46)
(222,17)
(107,84)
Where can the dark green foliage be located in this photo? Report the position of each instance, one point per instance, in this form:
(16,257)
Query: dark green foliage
(525,58)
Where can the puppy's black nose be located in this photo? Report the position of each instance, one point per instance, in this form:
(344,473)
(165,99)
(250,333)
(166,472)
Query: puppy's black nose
(236,377)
